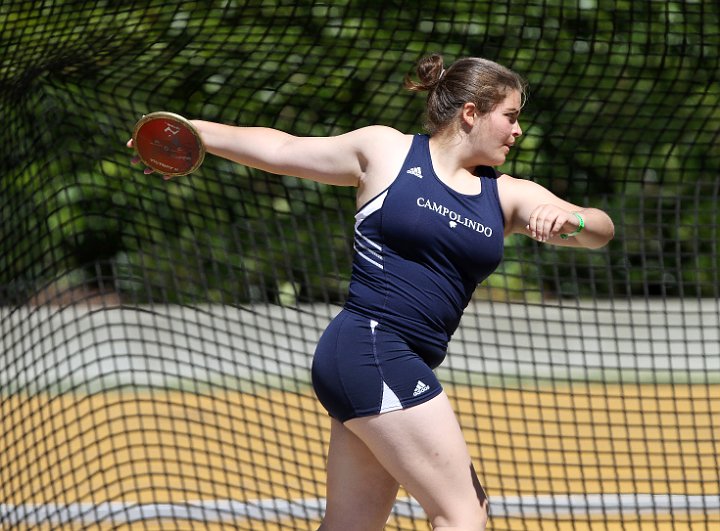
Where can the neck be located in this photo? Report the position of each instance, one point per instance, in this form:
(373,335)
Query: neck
(450,153)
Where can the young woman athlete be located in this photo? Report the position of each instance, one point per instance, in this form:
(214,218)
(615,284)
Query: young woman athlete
(431,219)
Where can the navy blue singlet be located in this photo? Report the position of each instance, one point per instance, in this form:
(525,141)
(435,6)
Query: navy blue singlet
(421,248)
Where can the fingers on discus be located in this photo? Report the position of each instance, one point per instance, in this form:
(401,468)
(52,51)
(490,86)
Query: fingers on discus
(148,171)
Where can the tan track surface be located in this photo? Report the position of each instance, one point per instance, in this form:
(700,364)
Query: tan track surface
(173,446)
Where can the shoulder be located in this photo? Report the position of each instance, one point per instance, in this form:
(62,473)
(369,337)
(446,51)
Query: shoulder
(509,182)
(374,141)
(514,188)
(515,194)
(380,146)
(508,188)
(376,133)
(382,151)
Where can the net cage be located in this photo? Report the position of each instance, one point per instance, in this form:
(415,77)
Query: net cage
(157,336)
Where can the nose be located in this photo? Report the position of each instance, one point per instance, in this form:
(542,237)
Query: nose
(517,130)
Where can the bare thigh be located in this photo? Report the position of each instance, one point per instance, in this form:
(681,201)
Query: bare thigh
(360,492)
(423,448)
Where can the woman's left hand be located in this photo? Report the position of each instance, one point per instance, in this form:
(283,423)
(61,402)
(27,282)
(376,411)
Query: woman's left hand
(547,221)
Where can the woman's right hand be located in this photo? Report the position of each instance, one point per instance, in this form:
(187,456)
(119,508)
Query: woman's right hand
(136,160)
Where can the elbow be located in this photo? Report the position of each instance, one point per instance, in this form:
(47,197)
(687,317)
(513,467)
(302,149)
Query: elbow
(610,231)
(604,237)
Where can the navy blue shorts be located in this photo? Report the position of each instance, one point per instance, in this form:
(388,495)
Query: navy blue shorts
(361,369)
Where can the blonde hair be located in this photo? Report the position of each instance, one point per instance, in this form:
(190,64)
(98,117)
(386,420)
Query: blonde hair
(471,79)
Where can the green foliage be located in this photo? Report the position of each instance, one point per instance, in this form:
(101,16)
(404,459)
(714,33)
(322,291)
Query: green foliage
(623,113)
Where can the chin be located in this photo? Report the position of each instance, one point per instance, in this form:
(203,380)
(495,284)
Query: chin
(489,160)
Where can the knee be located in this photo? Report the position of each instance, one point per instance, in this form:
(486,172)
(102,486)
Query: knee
(472,519)
(468,512)
(483,503)
(482,517)
(478,519)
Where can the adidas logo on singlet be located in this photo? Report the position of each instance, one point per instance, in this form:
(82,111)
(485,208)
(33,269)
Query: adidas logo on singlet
(416,171)
(420,388)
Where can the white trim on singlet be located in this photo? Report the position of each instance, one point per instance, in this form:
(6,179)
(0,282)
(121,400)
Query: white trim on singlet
(364,246)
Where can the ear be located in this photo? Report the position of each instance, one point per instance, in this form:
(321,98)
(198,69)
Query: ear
(469,113)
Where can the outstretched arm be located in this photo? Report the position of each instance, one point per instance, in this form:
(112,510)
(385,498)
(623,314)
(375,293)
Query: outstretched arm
(533,210)
(341,160)
(335,160)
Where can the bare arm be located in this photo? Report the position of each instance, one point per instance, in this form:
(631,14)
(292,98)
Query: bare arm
(342,160)
(335,160)
(533,210)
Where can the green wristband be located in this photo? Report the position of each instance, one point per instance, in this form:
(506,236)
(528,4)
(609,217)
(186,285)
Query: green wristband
(576,231)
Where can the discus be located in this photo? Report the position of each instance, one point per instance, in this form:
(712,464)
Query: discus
(168,143)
